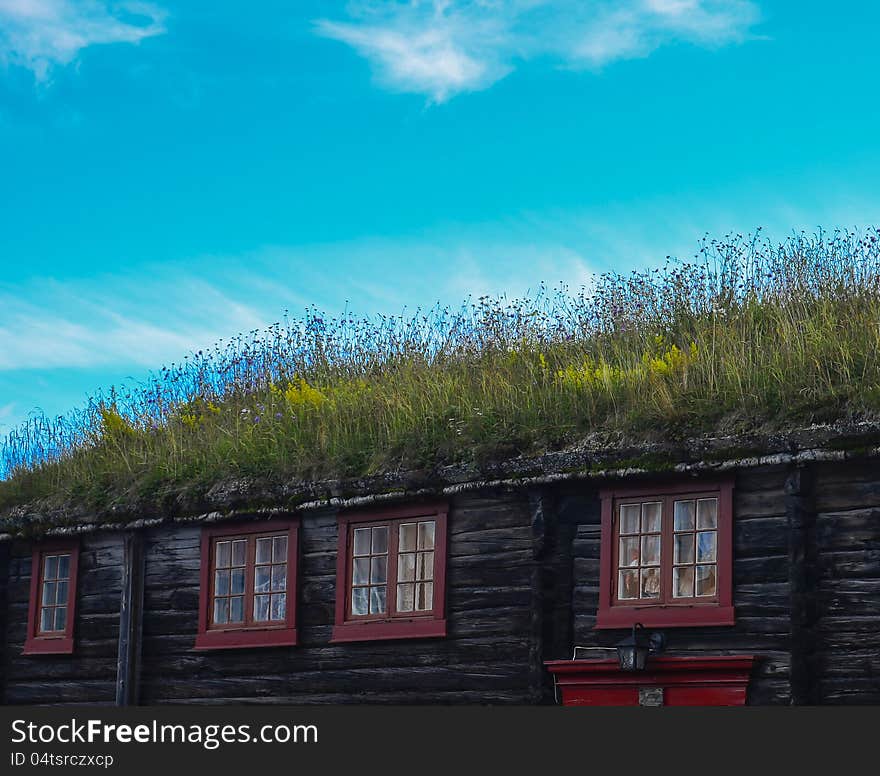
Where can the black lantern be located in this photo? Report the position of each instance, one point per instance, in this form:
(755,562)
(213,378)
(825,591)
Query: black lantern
(633,651)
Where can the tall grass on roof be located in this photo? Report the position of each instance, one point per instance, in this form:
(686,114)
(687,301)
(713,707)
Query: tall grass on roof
(748,334)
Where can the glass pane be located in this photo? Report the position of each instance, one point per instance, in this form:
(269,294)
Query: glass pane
(239,552)
(683,582)
(50,567)
(706,547)
(650,550)
(380,540)
(408,534)
(60,618)
(361,574)
(279,606)
(264,550)
(221,611)
(223,555)
(426,536)
(261,579)
(61,593)
(362,541)
(236,582)
(684,548)
(629,551)
(279,577)
(64,567)
(49,593)
(425,565)
(236,609)
(377,599)
(707,513)
(424,596)
(651,517)
(683,516)
(405,598)
(629,518)
(47,619)
(406,567)
(628,584)
(360,600)
(261,608)
(221,583)
(705,580)
(379,570)
(650,583)
(279,549)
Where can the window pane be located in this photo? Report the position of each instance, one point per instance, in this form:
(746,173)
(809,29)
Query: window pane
(261,579)
(706,547)
(362,541)
(707,513)
(405,598)
(425,566)
(49,593)
(628,584)
(261,608)
(236,582)
(279,606)
(650,550)
(629,518)
(629,551)
(50,567)
(236,609)
(406,567)
(264,550)
(47,619)
(279,549)
(426,536)
(221,583)
(380,540)
(684,548)
(279,577)
(683,582)
(221,611)
(223,555)
(424,596)
(705,580)
(408,537)
(64,567)
(650,583)
(377,599)
(651,517)
(60,618)
(61,593)
(360,600)
(683,516)
(239,550)
(361,574)
(379,570)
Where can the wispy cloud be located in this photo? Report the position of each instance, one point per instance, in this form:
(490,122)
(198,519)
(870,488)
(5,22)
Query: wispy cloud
(444,47)
(42,34)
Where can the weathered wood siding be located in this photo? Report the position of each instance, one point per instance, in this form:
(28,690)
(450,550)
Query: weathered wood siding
(760,592)
(847,536)
(88,675)
(491,653)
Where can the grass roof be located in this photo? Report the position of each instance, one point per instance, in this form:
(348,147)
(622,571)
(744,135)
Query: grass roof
(749,335)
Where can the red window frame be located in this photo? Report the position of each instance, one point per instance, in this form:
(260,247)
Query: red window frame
(390,624)
(249,633)
(38,642)
(666,611)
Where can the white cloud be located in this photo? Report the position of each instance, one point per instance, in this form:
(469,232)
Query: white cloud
(42,34)
(445,47)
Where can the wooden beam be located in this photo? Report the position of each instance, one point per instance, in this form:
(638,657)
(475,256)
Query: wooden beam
(130,621)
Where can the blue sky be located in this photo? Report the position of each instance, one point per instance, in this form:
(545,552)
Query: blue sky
(175,172)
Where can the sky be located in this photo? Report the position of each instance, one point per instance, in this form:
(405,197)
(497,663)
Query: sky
(172,173)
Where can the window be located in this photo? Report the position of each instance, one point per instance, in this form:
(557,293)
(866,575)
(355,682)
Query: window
(51,613)
(666,556)
(248,585)
(391,574)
